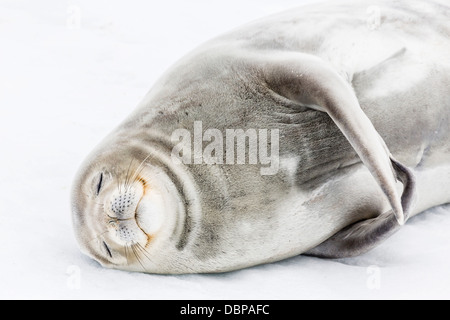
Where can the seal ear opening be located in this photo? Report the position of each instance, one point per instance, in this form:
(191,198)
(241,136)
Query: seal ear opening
(311,82)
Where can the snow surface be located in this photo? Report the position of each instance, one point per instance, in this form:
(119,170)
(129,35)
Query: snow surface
(70,71)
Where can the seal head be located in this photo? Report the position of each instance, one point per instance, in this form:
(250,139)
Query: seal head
(119,212)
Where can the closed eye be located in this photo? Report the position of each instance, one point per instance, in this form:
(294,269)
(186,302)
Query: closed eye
(100,184)
(107,249)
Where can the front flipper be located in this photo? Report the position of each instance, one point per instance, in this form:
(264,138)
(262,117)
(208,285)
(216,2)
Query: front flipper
(362,236)
(357,238)
(313,83)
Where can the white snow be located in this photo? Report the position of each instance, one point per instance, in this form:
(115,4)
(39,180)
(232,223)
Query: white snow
(70,71)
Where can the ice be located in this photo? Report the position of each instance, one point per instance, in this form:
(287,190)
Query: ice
(70,71)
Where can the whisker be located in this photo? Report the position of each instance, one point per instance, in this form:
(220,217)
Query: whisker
(126,254)
(143,250)
(147,176)
(139,169)
(127,177)
(137,256)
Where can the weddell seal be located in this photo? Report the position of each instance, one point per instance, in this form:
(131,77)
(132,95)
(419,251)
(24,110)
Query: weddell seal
(318,131)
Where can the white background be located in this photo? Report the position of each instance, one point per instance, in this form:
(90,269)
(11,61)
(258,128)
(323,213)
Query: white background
(70,71)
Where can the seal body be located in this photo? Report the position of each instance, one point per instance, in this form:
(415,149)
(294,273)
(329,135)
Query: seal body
(387,68)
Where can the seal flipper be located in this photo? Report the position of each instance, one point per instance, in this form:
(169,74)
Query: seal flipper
(309,81)
(362,236)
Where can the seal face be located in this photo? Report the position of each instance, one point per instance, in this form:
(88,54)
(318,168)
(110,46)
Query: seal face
(275,140)
(112,198)
(126,209)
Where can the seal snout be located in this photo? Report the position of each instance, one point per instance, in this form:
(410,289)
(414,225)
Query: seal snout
(121,208)
(123,205)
